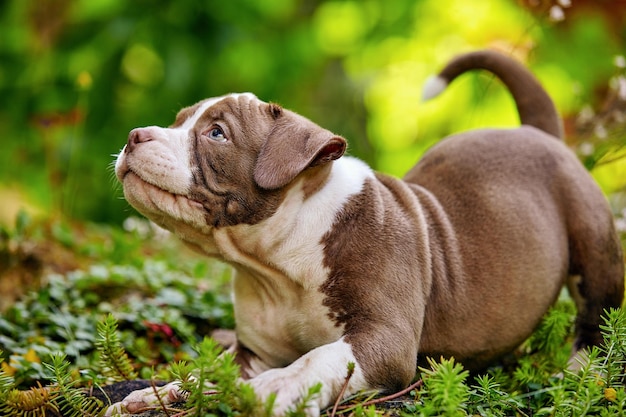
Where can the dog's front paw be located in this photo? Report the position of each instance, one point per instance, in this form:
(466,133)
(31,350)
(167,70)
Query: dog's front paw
(289,388)
(141,400)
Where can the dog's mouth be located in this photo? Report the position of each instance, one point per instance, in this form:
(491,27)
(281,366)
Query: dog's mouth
(155,194)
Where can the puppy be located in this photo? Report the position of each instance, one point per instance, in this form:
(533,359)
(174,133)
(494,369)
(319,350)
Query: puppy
(336,263)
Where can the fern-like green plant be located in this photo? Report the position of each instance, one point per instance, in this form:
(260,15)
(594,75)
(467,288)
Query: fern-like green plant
(613,367)
(213,386)
(585,387)
(552,333)
(30,403)
(114,361)
(490,400)
(6,384)
(71,401)
(597,388)
(445,391)
(547,350)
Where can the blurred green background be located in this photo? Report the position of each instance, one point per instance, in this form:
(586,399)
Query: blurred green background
(76,76)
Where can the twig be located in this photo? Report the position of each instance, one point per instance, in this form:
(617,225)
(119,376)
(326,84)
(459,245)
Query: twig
(390,397)
(343,389)
(408,389)
(156,392)
(165,409)
(184,413)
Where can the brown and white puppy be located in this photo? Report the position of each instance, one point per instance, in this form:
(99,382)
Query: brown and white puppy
(336,263)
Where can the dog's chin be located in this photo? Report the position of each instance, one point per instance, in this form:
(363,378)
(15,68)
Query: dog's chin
(168,210)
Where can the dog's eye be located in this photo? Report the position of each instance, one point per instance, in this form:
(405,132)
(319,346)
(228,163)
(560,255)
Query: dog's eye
(216,134)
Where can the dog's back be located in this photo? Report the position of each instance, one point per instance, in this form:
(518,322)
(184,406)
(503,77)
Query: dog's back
(498,193)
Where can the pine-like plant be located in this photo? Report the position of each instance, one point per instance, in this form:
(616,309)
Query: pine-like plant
(30,403)
(114,361)
(71,400)
(445,391)
(213,384)
(491,400)
(613,365)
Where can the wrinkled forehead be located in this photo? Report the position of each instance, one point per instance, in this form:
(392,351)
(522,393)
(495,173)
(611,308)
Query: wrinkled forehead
(189,116)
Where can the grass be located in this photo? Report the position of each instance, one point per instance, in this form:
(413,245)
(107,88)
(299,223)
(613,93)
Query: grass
(92,305)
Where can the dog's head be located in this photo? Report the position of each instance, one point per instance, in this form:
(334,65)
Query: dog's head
(224,161)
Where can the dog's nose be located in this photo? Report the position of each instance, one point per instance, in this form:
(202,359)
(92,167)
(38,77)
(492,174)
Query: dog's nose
(137,136)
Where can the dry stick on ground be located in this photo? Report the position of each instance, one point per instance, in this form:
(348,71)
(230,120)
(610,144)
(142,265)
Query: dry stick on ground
(156,392)
(408,389)
(390,397)
(343,388)
(178,395)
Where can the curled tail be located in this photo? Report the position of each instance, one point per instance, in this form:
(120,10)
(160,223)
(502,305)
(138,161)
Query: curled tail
(534,106)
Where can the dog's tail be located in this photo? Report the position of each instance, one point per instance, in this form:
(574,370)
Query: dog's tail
(534,106)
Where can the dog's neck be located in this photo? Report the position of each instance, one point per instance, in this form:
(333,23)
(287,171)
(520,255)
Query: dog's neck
(290,240)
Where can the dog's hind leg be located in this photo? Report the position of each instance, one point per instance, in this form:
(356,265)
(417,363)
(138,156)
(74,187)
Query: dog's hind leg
(597,268)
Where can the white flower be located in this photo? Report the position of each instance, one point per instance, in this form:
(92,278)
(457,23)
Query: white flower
(556,14)
(618,84)
(586,114)
(586,148)
(621,87)
(600,131)
(135,224)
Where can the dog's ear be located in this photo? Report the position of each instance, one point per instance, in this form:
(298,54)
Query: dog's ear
(293,145)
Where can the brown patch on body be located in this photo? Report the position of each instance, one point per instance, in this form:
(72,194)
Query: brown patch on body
(373,253)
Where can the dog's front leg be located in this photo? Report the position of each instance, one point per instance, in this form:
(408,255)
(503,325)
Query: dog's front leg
(327,365)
